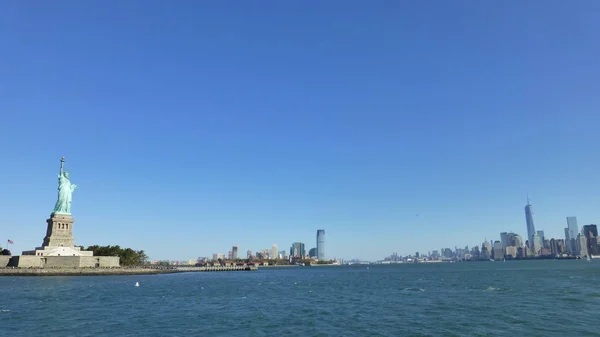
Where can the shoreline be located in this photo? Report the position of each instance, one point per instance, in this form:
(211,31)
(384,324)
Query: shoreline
(295,265)
(113,271)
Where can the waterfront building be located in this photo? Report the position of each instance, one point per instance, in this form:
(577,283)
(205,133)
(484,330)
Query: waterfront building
(498,250)
(312,253)
(234,252)
(447,252)
(574,245)
(516,240)
(591,233)
(511,251)
(542,236)
(487,245)
(321,244)
(583,250)
(486,251)
(529,223)
(546,244)
(573,230)
(475,254)
(504,239)
(297,250)
(568,239)
(553,247)
(562,247)
(536,244)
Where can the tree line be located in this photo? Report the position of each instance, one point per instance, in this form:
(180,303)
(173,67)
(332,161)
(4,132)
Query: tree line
(127,256)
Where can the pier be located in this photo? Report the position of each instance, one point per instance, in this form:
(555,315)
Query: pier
(217,268)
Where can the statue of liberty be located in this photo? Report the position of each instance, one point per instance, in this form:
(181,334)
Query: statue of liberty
(65,191)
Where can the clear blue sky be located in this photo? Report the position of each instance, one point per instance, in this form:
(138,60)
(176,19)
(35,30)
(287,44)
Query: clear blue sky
(190,127)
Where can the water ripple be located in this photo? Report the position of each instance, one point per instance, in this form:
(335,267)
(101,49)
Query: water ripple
(541,298)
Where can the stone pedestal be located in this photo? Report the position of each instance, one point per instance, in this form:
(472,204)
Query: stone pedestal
(60,231)
(59,239)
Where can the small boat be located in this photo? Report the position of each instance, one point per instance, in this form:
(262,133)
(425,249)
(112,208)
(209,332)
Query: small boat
(588,258)
(137,284)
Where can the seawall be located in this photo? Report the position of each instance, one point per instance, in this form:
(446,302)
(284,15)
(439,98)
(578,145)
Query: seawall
(113,271)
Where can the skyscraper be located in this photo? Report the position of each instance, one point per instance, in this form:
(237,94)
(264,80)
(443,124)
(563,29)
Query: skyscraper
(529,221)
(504,239)
(297,250)
(568,239)
(541,235)
(536,243)
(515,240)
(321,244)
(573,231)
(573,228)
(583,251)
(591,234)
(498,250)
(274,252)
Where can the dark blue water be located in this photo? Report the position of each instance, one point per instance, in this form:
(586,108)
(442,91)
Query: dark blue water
(516,298)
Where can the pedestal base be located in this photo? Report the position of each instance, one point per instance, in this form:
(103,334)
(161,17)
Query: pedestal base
(60,231)
(58,251)
(31,261)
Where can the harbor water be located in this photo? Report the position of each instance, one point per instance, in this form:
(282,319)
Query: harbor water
(515,298)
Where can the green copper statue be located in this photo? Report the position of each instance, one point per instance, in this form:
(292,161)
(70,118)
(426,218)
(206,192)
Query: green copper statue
(65,191)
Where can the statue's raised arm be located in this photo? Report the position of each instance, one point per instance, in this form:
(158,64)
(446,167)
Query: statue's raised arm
(65,191)
(62,164)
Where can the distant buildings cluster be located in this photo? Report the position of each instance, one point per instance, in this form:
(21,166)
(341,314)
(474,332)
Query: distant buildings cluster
(576,244)
(296,251)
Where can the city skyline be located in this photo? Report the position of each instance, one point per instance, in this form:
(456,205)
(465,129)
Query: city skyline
(573,243)
(397,127)
(297,249)
(506,239)
(569,221)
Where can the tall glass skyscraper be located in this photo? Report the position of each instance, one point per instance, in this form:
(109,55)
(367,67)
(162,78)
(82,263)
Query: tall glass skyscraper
(529,221)
(321,244)
(571,234)
(572,226)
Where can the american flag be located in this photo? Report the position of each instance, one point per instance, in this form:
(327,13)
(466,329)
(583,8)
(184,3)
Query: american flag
(11,242)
